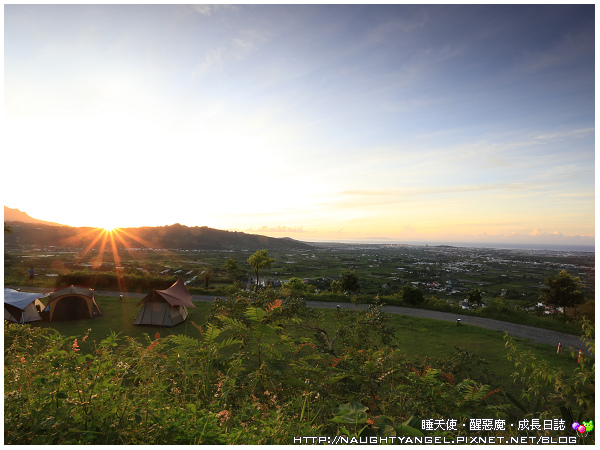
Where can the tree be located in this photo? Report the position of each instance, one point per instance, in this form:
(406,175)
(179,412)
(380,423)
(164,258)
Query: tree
(563,290)
(297,286)
(349,282)
(336,287)
(411,295)
(207,275)
(231,266)
(260,260)
(475,298)
(7,229)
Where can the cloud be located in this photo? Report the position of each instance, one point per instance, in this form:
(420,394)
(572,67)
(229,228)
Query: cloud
(357,197)
(217,59)
(583,132)
(209,10)
(537,233)
(278,229)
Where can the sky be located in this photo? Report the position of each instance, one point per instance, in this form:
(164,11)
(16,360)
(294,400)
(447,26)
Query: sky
(390,123)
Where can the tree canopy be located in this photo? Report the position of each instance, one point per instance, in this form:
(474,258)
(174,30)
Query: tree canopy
(349,282)
(297,286)
(411,295)
(260,260)
(231,266)
(475,298)
(563,290)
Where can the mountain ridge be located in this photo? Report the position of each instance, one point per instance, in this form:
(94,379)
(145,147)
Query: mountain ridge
(174,236)
(16,215)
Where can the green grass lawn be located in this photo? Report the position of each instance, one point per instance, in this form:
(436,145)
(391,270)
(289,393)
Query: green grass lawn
(420,339)
(118,316)
(430,340)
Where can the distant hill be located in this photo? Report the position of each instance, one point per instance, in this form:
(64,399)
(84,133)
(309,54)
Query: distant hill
(16,215)
(167,237)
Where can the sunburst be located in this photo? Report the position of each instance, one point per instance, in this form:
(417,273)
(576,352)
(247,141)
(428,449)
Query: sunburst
(108,238)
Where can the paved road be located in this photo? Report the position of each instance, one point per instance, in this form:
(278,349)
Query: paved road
(535,334)
(524,331)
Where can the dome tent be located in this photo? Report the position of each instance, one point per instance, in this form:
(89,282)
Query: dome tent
(21,307)
(165,308)
(72,303)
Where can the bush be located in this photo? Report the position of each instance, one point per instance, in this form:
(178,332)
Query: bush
(112,281)
(436,304)
(256,376)
(410,295)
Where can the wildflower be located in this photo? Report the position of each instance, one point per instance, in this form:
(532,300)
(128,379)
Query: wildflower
(223,416)
(86,334)
(75,346)
(157,336)
(23,359)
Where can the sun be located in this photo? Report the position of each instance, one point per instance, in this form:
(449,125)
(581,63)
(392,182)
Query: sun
(109,228)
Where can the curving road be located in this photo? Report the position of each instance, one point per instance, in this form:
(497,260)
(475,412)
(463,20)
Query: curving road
(524,331)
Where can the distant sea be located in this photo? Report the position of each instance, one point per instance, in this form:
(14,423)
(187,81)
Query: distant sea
(500,246)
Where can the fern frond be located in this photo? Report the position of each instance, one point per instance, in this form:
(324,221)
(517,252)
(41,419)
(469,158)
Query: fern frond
(210,334)
(274,304)
(255,314)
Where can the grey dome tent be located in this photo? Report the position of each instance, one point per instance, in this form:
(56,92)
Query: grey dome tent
(72,303)
(165,308)
(21,307)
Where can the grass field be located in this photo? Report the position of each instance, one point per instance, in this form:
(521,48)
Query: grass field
(422,340)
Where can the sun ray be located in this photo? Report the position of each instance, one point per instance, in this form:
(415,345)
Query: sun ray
(100,257)
(138,239)
(73,240)
(127,246)
(109,239)
(90,246)
(117,259)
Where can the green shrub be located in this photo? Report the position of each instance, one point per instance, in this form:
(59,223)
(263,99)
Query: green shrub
(114,281)
(257,375)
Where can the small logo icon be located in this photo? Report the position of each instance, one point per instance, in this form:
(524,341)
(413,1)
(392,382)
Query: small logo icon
(584,427)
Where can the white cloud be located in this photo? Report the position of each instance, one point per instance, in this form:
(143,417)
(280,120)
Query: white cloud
(217,59)
(578,133)
(209,10)
(213,61)
(277,229)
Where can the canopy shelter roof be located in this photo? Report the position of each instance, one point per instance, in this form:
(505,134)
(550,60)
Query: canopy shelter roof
(20,299)
(176,295)
(22,307)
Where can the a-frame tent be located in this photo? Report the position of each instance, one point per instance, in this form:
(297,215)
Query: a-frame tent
(72,303)
(167,307)
(21,307)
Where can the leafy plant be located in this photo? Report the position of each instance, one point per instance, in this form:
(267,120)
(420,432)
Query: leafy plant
(548,392)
